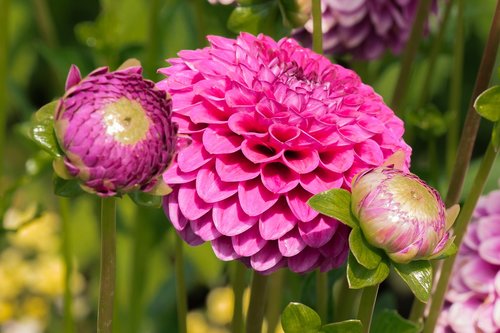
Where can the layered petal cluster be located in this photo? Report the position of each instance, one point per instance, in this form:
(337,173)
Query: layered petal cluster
(400,214)
(271,124)
(363,28)
(473,298)
(115,130)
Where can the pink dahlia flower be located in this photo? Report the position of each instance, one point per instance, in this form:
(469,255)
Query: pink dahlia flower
(473,298)
(271,124)
(364,28)
(115,130)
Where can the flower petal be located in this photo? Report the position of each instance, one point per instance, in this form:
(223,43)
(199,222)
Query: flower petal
(174,175)
(211,188)
(204,227)
(249,242)
(338,160)
(305,261)
(190,204)
(189,236)
(255,198)
(276,221)
(192,157)
(319,231)
(235,167)
(321,180)
(223,248)
(230,219)
(478,275)
(266,258)
(291,243)
(489,250)
(171,208)
(301,161)
(297,201)
(259,152)
(277,178)
(220,141)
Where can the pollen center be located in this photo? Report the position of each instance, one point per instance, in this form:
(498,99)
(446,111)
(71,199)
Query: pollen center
(125,121)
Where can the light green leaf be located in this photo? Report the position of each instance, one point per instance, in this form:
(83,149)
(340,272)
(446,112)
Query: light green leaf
(254,18)
(360,277)
(389,321)
(335,203)
(42,129)
(294,14)
(351,326)
(145,199)
(68,188)
(488,104)
(418,276)
(299,318)
(449,250)
(364,253)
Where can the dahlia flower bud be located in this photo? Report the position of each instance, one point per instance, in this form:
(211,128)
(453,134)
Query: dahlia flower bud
(115,130)
(400,214)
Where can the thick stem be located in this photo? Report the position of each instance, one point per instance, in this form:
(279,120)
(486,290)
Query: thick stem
(180,283)
(317,32)
(274,308)
(346,302)
(4,54)
(238,283)
(408,57)
(64,210)
(322,295)
(256,308)
(460,228)
(108,265)
(367,305)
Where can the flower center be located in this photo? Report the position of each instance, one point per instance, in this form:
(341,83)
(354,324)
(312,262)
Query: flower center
(125,121)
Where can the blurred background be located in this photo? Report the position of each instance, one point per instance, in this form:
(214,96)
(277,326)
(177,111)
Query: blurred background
(47,242)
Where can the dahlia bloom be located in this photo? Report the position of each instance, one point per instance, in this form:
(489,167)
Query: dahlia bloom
(115,130)
(271,124)
(400,214)
(363,28)
(473,298)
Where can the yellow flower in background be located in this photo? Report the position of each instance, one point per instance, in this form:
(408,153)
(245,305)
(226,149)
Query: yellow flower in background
(38,235)
(6,311)
(35,307)
(47,276)
(13,269)
(196,322)
(220,304)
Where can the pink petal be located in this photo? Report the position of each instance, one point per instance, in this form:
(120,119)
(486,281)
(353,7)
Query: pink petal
(204,112)
(297,201)
(276,221)
(461,315)
(221,141)
(330,263)
(192,157)
(277,178)
(319,231)
(171,208)
(230,219)
(235,167)
(337,161)
(321,180)
(488,227)
(291,243)
(304,261)
(239,97)
(189,236)
(369,151)
(73,78)
(301,161)
(190,204)
(223,249)
(249,242)
(489,250)
(338,242)
(244,124)
(354,133)
(283,133)
(174,175)
(255,198)
(496,312)
(484,317)
(266,258)
(258,152)
(478,275)
(211,188)
(204,227)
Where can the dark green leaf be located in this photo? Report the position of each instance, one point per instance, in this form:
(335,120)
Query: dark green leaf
(488,104)
(365,254)
(335,203)
(299,318)
(351,326)
(42,129)
(255,18)
(68,188)
(145,199)
(389,321)
(360,277)
(418,276)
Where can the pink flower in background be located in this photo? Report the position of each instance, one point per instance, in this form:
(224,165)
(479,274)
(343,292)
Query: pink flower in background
(271,124)
(224,2)
(473,299)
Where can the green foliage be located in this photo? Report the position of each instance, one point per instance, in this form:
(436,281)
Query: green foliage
(389,321)
(254,18)
(487,104)
(145,199)
(335,203)
(351,326)
(418,276)
(42,130)
(68,188)
(365,254)
(359,276)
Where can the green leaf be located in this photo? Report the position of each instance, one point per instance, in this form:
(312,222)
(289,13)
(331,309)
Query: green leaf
(335,203)
(254,18)
(145,199)
(42,129)
(418,276)
(68,188)
(360,277)
(294,14)
(488,104)
(364,253)
(449,250)
(351,326)
(389,321)
(299,318)
(495,136)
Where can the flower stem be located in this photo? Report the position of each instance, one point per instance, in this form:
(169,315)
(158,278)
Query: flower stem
(180,284)
(4,46)
(408,57)
(66,249)
(238,283)
(346,301)
(256,308)
(317,30)
(366,306)
(153,44)
(274,308)
(460,228)
(108,265)
(322,295)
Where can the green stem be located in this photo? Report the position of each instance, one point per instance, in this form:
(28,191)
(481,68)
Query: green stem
(346,301)
(108,265)
(44,21)
(469,132)
(455,89)
(408,57)
(64,210)
(322,295)
(460,228)
(180,286)
(274,300)
(366,306)
(153,43)
(317,32)
(4,54)
(238,283)
(417,309)
(256,308)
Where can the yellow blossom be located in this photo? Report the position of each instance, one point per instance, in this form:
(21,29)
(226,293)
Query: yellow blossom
(6,311)
(220,304)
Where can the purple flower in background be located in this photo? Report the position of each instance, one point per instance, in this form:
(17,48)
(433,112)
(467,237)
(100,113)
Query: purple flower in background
(271,124)
(473,298)
(223,2)
(115,130)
